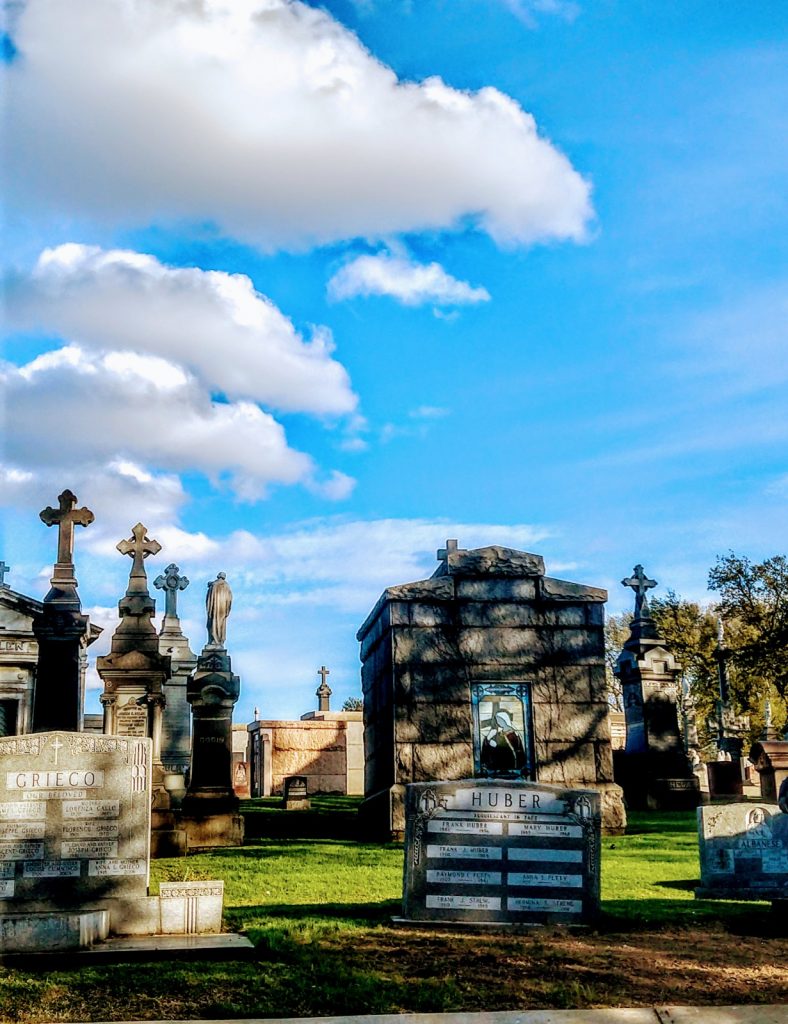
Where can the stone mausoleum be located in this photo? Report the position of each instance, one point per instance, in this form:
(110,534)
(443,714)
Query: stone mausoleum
(489,669)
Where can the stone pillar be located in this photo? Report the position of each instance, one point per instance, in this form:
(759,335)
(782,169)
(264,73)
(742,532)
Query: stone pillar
(61,629)
(133,674)
(210,807)
(653,769)
(176,723)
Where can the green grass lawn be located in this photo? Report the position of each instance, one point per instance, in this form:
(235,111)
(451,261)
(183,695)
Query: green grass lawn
(318,910)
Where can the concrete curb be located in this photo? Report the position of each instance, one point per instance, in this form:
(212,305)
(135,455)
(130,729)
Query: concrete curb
(773,1014)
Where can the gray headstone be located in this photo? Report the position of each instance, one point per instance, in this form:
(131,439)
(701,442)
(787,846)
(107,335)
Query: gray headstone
(743,852)
(487,852)
(74,820)
(296,797)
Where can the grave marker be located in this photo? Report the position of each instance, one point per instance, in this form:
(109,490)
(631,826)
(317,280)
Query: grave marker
(743,852)
(499,852)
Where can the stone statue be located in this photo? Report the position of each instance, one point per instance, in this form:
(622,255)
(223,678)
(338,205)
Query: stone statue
(218,602)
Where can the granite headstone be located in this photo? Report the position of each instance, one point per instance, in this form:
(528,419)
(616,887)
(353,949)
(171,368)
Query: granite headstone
(74,819)
(499,852)
(743,852)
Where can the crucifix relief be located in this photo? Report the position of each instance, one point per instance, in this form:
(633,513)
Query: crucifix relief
(171,582)
(139,547)
(641,584)
(65,517)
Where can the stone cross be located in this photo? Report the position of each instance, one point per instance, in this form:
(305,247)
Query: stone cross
(324,690)
(139,547)
(171,582)
(640,583)
(65,517)
(3,570)
(450,549)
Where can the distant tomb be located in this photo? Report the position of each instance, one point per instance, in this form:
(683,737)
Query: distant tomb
(489,669)
(494,852)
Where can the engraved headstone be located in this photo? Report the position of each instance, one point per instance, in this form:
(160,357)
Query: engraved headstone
(499,852)
(74,820)
(743,852)
(296,797)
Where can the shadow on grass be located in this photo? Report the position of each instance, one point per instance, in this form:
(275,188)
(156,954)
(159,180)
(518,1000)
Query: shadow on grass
(362,913)
(645,822)
(739,918)
(684,884)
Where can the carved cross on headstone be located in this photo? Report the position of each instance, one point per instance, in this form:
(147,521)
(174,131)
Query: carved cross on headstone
(640,583)
(139,547)
(65,517)
(3,570)
(171,582)
(450,549)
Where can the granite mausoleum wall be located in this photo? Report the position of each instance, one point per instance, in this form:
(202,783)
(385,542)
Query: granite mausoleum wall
(489,620)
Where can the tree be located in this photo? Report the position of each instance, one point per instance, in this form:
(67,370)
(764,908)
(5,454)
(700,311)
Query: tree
(754,598)
(353,704)
(616,633)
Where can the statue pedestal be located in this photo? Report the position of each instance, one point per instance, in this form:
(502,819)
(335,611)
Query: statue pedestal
(210,807)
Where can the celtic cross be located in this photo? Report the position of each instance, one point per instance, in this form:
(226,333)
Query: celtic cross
(171,582)
(139,547)
(65,517)
(640,583)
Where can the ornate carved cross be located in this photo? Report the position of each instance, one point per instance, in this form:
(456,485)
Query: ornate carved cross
(640,583)
(139,547)
(65,517)
(171,582)
(3,570)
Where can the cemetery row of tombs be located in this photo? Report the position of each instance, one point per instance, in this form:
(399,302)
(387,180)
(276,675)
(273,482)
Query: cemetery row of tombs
(485,742)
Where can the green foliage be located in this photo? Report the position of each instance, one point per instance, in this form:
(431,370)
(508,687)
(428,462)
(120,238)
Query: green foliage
(616,633)
(353,704)
(754,596)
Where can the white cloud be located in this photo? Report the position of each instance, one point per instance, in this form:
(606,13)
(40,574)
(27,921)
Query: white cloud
(403,279)
(529,11)
(72,405)
(429,412)
(268,119)
(215,324)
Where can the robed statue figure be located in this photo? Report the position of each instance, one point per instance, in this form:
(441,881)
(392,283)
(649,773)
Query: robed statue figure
(218,602)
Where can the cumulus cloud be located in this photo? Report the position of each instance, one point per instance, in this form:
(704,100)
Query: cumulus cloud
(411,283)
(121,405)
(269,120)
(214,324)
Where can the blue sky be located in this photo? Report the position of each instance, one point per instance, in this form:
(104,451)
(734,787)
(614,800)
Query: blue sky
(512,271)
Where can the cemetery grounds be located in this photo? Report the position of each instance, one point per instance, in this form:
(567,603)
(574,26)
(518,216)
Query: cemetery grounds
(318,904)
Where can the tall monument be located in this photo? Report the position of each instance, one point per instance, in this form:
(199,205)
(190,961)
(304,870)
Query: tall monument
(653,769)
(61,629)
(176,728)
(210,807)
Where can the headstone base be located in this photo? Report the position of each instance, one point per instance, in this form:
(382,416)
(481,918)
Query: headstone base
(212,831)
(52,931)
(652,782)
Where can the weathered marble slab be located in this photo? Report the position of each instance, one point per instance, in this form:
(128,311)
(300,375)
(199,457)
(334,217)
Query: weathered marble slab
(541,845)
(743,851)
(74,820)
